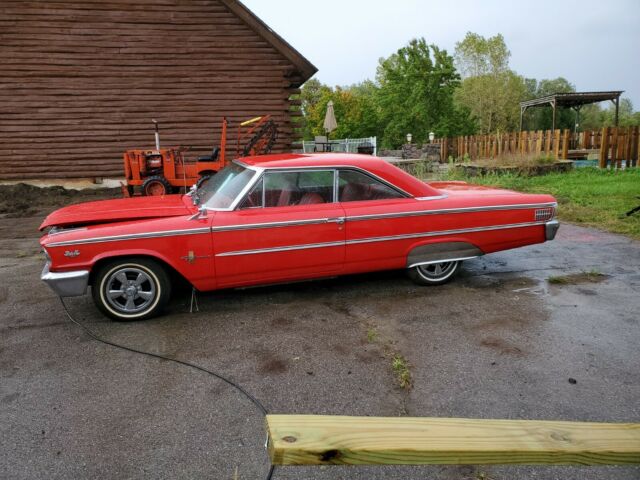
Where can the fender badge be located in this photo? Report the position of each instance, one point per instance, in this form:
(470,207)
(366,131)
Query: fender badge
(71,253)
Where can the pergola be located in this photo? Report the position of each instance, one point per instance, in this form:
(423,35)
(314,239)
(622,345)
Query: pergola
(571,100)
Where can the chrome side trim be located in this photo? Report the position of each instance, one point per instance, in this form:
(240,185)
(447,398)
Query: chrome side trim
(357,218)
(281,249)
(436,233)
(131,236)
(250,226)
(487,208)
(435,197)
(59,230)
(458,259)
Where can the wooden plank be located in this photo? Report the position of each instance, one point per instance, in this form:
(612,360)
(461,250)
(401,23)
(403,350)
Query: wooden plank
(556,143)
(604,147)
(566,134)
(323,440)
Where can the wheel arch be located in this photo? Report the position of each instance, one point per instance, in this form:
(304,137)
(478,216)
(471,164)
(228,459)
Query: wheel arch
(435,251)
(176,276)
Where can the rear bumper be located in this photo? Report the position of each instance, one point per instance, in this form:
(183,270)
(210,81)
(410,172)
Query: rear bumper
(66,284)
(550,229)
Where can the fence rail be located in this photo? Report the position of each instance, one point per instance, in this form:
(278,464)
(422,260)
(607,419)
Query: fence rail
(349,145)
(613,145)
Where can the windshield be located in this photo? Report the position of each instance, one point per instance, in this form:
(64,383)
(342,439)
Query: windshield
(221,190)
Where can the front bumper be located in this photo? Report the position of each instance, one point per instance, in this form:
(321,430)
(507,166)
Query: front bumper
(550,229)
(66,284)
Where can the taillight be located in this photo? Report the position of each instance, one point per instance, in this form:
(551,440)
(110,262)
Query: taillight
(544,214)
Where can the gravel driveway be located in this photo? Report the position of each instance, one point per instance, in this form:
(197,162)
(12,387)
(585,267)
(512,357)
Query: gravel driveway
(500,341)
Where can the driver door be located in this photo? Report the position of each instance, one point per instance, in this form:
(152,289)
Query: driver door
(289,227)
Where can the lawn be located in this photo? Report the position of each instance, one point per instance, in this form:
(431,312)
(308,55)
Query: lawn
(587,196)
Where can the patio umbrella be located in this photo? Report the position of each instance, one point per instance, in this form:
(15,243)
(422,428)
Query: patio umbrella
(330,123)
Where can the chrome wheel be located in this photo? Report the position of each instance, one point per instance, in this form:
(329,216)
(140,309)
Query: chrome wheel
(130,290)
(437,271)
(433,273)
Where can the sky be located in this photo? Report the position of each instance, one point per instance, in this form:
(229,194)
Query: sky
(593,44)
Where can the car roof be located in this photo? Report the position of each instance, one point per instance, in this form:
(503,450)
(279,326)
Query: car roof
(374,165)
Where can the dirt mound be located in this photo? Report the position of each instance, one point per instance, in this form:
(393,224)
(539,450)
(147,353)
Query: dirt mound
(26,200)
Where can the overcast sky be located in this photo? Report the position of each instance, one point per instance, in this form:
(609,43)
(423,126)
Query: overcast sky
(593,44)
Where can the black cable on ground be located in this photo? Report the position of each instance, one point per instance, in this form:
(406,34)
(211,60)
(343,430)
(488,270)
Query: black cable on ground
(96,337)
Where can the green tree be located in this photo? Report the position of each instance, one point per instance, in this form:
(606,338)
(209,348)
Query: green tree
(355,108)
(490,91)
(415,95)
(476,56)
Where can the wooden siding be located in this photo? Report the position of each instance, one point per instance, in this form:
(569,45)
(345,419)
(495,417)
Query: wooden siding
(80,82)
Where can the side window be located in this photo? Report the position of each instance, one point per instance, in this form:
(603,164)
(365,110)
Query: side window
(354,186)
(281,189)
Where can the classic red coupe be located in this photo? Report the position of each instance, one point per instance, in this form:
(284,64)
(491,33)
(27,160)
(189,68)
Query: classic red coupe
(281,218)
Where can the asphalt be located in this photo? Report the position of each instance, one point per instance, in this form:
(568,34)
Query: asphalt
(499,341)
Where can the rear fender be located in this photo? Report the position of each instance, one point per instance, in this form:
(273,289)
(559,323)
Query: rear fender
(439,251)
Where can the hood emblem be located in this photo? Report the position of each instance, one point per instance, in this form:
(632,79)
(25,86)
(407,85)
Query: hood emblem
(71,253)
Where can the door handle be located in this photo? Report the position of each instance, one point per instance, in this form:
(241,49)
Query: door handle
(338,220)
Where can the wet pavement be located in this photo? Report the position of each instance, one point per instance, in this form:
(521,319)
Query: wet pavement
(499,341)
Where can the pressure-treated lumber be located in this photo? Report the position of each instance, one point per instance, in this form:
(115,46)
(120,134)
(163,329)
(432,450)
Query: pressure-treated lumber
(320,439)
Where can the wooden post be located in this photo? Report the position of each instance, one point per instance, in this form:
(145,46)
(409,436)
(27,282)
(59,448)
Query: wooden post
(615,151)
(556,144)
(322,440)
(635,146)
(565,143)
(604,147)
(539,142)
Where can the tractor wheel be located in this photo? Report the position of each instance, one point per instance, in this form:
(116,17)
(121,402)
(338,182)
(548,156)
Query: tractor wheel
(156,185)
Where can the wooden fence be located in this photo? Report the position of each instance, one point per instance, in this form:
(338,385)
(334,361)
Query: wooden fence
(611,144)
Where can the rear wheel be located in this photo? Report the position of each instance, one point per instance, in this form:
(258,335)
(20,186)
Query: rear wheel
(156,185)
(433,273)
(131,289)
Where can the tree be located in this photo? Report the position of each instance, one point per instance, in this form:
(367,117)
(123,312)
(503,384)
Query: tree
(490,91)
(355,108)
(415,95)
(476,56)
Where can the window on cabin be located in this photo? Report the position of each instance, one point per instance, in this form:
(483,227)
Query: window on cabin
(282,189)
(356,186)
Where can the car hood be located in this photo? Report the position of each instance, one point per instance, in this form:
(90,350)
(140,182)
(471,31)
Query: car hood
(108,211)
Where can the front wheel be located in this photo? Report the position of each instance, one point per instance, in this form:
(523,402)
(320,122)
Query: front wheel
(156,185)
(131,289)
(433,273)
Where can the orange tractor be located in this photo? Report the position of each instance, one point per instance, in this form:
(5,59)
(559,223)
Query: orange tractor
(164,170)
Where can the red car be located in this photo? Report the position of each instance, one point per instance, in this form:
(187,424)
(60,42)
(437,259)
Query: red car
(281,218)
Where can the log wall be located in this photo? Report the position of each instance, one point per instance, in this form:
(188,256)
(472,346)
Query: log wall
(80,82)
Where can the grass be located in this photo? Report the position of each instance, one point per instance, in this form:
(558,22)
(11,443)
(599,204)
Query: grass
(587,196)
(592,276)
(372,335)
(401,369)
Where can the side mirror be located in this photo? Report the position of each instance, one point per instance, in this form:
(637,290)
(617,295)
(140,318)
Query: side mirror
(202,213)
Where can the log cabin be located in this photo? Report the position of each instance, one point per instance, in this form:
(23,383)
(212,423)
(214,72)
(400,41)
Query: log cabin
(81,81)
